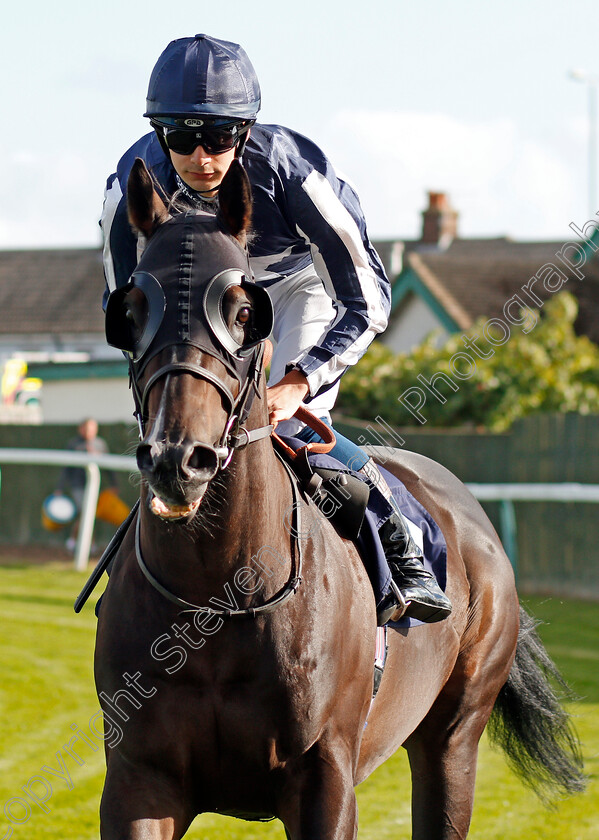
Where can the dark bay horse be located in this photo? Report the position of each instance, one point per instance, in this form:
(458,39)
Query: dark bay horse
(235,647)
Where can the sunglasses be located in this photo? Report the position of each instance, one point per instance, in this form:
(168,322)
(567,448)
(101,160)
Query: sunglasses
(214,140)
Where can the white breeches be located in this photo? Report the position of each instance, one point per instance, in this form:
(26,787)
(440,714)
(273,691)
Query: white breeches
(303,313)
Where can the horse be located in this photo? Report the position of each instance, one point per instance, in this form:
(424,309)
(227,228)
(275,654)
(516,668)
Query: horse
(235,643)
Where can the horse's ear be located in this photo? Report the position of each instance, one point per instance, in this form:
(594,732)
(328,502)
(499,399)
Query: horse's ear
(145,207)
(235,202)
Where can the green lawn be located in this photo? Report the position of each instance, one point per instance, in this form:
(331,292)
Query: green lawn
(47,687)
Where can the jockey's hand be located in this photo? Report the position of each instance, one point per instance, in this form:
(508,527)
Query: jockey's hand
(286,396)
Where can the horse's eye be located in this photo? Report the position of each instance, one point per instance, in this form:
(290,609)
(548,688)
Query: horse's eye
(129,314)
(244,315)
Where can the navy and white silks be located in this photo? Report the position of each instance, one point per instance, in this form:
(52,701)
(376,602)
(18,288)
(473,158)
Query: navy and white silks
(310,248)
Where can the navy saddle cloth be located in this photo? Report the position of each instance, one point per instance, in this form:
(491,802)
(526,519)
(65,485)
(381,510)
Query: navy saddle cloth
(423,527)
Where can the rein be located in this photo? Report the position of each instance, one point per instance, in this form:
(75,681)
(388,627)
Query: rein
(269,606)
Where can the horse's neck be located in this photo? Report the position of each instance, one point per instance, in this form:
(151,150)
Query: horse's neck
(253,490)
(253,486)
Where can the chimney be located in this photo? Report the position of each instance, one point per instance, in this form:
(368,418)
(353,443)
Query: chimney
(439,221)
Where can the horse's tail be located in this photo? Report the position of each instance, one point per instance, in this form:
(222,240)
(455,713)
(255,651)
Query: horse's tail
(529,723)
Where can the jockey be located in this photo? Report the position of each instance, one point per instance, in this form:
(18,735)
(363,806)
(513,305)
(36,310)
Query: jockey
(309,248)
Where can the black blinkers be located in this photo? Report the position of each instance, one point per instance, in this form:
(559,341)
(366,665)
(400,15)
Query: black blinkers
(135,314)
(262,316)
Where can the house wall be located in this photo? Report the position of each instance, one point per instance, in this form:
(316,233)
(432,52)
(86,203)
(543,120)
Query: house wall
(67,401)
(96,384)
(411,324)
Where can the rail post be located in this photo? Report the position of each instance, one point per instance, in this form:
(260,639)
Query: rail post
(509,532)
(88,516)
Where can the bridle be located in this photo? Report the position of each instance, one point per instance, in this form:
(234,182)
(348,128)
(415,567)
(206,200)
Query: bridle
(136,339)
(157,350)
(235,435)
(185,315)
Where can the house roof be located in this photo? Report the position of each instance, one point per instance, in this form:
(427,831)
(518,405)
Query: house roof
(59,291)
(54,291)
(474,278)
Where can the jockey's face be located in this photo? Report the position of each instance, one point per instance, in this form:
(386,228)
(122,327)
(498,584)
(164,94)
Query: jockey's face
(201,171)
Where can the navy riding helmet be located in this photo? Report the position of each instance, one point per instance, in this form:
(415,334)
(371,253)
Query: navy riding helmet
(201,84)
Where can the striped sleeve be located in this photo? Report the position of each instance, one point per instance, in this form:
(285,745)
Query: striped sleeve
(121,246)
(112,197)
(329,218)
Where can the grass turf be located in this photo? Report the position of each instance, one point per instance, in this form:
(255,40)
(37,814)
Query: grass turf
(47,688)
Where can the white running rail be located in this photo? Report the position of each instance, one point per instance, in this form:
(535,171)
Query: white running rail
(505,494)
(92,465)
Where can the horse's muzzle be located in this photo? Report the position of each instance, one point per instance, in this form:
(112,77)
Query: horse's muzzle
(178,473)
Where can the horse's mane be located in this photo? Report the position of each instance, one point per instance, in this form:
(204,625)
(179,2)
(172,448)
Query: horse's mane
(179,202)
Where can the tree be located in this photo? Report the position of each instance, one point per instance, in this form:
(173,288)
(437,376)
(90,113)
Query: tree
(547,369)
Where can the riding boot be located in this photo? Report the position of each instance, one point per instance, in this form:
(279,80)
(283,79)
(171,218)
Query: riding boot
(415,592)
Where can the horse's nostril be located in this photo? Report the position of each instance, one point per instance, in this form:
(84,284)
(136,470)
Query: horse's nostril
(203,459)
(187,461)
(145,460)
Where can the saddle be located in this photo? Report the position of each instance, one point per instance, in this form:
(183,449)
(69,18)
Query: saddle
(337,492)
(357,513)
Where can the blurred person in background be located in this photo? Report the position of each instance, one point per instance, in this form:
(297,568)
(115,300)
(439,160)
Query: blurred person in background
(72,480)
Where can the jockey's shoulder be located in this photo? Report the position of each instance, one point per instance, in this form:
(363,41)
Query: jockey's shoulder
(283,149)
(149,150)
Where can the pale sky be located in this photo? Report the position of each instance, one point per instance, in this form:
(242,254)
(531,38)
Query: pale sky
(469,97)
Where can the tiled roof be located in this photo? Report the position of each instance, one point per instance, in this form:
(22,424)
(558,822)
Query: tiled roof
(475,278)
(59,291)
(53,291)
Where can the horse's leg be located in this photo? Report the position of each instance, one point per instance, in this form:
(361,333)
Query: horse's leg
(138,806)
(319,802)
(443,775)
(443,750)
